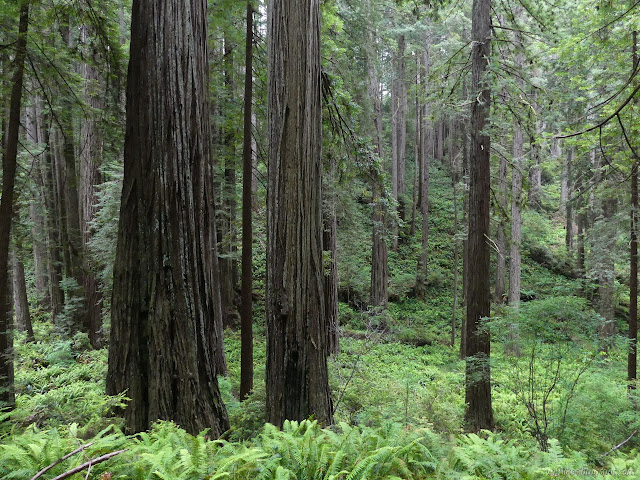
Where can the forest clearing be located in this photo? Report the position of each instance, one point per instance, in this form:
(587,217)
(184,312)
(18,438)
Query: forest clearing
(319,240)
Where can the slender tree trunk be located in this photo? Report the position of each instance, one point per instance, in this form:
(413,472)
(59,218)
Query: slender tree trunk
(330,257)
(246,293)
(568,239)
(427,148)
(296,375)
(166,337)
(417,151)
(53,225)
(632,359)
(36,212)
(466,160)
(516,216)
(227,247)
(440,140)
(479,414)
(556,153)
(40,264)
(501,237)
(90,177)
(379,253)
(606,280)
(394,151)
(535,172)
(70,198)
(402,126)
(20,301)
(9,166)
(456,249)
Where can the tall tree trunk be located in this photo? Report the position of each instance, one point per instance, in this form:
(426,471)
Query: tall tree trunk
(606,276)
(501,237)
(9,166)
(52,224)
(568,238)
(379,253)
(166,337)
(36,212)
(479,413)
(417,151)
(402,126)
(227,247)
(398,133)
(516,215)
(426,148)
(556,153)
(456,249)
(394,151)
(91,141)
(246,293)
(20,301)
(69,193)
(632,358)
(297,376)
(330,257)
(466,163)
(535,172)
(439,153)
(40,264)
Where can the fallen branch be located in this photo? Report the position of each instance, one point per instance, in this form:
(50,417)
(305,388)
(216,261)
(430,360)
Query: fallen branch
(93,461)
(46,469)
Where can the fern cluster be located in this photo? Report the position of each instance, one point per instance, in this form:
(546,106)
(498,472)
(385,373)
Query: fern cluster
(298,451)
(301,451)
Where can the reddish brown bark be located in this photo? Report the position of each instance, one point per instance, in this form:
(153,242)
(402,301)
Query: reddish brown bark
(296,375)
(9,167)
(166,329)
(246,294)
(479,414)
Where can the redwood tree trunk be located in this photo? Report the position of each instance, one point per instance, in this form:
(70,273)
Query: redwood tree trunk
(632,359)
(330,259)
(166,337)
(296,375)
(52,224)
(228,246)
(501,237)
(479,414)
(246,293)
(402,126)
(568,238)
(9,166)
(36,211)
(606,272)
(515,263)
(426,152)
(70,199)
(90,177)
(379,251)
(20,301)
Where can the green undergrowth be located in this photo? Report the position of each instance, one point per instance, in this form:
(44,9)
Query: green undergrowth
(298,451)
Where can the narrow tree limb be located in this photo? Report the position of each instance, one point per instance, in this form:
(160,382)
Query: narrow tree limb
(621,444)
(626,138)
(46,469)
(606,120)
(93,461)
